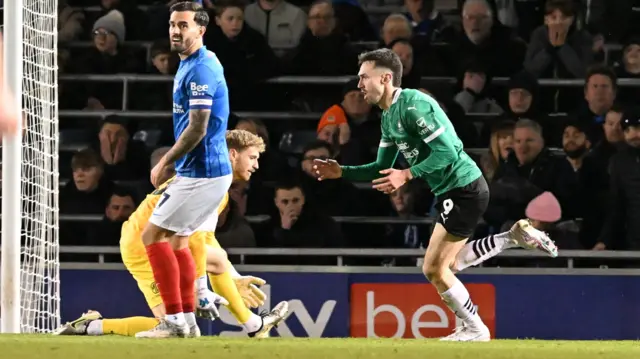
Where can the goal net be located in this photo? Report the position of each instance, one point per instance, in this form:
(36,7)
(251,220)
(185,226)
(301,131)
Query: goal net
(37,266)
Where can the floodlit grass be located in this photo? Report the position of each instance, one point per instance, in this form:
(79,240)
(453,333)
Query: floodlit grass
(111,347)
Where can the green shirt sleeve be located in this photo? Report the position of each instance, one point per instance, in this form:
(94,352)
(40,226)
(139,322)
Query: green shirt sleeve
(387,153)
(430,125)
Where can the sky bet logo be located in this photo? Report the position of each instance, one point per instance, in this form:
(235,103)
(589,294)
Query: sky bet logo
(313,327)
(198,90)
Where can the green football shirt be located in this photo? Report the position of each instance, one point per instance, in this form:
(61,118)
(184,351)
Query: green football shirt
(416,126)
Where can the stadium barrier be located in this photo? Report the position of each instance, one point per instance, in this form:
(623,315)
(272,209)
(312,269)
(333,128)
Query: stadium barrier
(312,80)
(343,301)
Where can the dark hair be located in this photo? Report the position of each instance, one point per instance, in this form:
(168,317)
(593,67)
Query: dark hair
(222,5)
(566,7)
(287,185)
(201,16)
(317,144)
(122,191)
(384,58)
(86,158)
(604,71)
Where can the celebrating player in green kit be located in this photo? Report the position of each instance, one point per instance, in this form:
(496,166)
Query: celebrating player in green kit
(413,123)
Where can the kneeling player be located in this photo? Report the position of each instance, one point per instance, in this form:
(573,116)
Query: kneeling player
(241,292)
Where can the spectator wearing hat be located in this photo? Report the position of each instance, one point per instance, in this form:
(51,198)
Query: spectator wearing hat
(351,127)
(106,57)
(622,228)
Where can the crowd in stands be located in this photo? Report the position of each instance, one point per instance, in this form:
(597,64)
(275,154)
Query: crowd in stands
(487,63)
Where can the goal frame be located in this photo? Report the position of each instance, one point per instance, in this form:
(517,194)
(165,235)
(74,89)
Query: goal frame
(10,310)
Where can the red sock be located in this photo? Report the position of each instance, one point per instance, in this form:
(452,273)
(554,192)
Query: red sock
(166,272)
(187,279)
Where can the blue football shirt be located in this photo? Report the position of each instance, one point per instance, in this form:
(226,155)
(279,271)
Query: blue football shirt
(200,84)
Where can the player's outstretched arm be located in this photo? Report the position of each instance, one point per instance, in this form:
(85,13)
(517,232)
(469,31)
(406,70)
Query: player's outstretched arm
(330,169)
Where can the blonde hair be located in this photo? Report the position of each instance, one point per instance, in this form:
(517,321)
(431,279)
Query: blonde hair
(240,140)
(491,159)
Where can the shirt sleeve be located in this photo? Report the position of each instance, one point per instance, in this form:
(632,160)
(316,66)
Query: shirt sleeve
(387,154)
(201,86)
(421,118)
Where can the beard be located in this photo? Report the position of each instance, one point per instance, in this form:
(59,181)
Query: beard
(576,152)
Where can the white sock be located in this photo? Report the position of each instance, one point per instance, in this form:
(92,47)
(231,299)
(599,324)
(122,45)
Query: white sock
(253,324)
(479,250)
(95,327)
(458,300)
(190,318)
(202,284)
(177,319)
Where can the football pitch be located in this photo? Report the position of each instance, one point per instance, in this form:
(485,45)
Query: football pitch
(50,347)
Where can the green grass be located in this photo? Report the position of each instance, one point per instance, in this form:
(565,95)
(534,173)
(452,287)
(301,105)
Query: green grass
(50,347)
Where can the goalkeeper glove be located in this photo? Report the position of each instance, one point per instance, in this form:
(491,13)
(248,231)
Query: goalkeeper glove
(207,305)
(247,286)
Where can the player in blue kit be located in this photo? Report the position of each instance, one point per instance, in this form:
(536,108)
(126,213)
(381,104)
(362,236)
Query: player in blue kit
(204,174)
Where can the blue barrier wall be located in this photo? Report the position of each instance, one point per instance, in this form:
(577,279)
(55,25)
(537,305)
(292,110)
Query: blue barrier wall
(526,306)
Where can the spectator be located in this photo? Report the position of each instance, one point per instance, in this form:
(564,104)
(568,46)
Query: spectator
(629,67)
(90,189)
(576,145)
(124,158)
(622,228)
(323,49)
(474,97)
(558,49)
(280,22)
(600,93)
(522,101)
(485,41)
(351,127)
(411,70)
(500,145)
(528,171)
(244,53)
(106,57)
(156,96)
(594,177)
(396,26)
(334,198)
(298,226)
(120,206)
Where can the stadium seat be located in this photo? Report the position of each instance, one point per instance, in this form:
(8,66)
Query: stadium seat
(149,137)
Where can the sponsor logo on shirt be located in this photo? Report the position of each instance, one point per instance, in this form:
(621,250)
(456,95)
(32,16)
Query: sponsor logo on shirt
(198,90)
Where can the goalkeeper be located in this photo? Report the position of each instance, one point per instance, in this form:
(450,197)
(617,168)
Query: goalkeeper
(240,292)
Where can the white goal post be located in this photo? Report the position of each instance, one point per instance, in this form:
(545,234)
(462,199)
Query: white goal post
(29,264)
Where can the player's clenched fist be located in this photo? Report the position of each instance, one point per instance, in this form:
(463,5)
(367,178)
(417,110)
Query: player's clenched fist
(327,169)
(9,115)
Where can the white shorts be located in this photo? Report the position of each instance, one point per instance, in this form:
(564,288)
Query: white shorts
(189,203)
